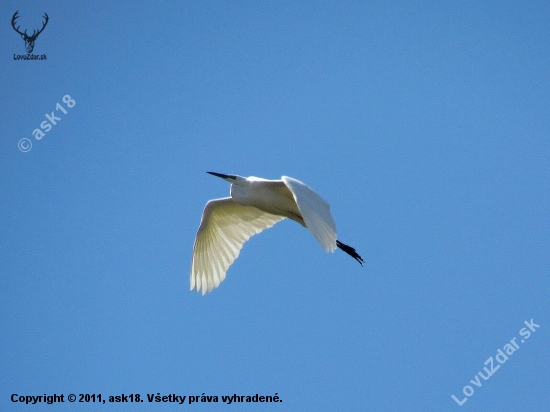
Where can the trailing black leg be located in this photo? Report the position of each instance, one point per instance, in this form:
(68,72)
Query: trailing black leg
(350,251)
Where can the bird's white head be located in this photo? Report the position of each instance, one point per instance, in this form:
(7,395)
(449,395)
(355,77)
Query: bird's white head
(239,186)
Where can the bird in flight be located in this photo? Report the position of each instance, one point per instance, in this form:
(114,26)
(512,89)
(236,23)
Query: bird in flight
(256,204)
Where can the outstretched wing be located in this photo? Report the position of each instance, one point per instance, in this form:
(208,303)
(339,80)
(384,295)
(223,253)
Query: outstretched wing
(315,212)
(224,228)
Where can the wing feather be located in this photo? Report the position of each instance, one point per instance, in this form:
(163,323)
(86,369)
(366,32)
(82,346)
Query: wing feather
(224,228)
(315,212)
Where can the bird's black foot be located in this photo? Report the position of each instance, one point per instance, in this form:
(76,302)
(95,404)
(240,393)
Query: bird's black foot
(350,251)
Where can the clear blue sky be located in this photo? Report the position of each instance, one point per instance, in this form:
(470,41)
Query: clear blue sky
(424,124)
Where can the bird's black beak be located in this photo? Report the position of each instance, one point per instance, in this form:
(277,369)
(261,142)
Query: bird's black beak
(225,177)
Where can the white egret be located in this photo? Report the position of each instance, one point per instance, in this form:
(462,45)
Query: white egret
(256,204)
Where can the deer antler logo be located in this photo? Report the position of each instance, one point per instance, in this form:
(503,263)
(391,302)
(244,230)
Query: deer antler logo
(29,40)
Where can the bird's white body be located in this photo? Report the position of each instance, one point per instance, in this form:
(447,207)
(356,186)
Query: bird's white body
(255,204)
(270,196)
